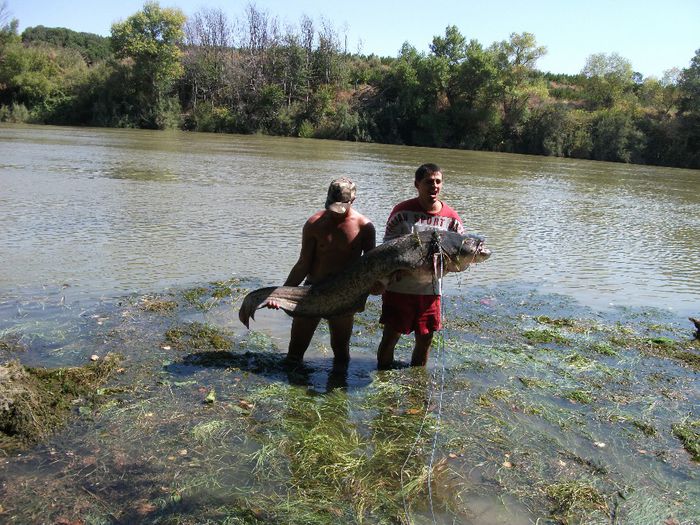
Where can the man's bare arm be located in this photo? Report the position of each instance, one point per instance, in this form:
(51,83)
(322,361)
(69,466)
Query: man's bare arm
(302,267)
(369,237)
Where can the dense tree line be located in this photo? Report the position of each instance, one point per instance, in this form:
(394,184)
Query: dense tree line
(160,69)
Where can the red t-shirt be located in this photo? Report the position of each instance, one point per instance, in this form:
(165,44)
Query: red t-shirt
(407,217)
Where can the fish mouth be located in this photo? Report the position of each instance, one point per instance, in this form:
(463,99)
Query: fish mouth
(482,253)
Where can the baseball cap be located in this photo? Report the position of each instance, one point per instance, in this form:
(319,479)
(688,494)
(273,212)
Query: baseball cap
(341,193)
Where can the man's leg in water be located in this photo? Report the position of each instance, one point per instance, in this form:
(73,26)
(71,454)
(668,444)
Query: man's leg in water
(303,329)
(385,352)
(341,330)
(422,349)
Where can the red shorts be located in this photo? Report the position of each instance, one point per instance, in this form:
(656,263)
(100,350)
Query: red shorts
(406,313)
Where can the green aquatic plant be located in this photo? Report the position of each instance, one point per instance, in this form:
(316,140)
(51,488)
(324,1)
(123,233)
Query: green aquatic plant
(535,382)
(35,402)
(197,336)
(257,341)
(157,304)
(222,289)
(692,359)
(575,498)
(603,348)
(212,431)
(580,396)
(194,295)
(494,394)
(544,335)
(12,341)
(545,319)
(578,361)
(688,432)
(647,428)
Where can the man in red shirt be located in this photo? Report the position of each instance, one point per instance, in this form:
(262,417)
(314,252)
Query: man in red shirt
(412,302)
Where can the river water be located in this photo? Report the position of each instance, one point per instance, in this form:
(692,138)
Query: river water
(554,390)
(107,212)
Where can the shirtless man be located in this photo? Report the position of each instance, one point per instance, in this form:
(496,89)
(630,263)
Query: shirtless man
(331,239)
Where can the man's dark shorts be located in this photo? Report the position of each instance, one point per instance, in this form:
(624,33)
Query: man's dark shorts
(406,313)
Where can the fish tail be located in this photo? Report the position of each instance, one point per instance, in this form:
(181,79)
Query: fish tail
(288,298)
(252,302)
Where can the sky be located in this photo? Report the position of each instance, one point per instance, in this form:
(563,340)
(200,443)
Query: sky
(653,35)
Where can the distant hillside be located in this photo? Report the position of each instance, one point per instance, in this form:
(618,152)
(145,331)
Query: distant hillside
(92,47)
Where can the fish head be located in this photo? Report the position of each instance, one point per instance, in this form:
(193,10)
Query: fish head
(462,250)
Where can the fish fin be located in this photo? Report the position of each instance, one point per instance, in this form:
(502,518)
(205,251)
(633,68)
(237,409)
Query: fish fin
(253,301)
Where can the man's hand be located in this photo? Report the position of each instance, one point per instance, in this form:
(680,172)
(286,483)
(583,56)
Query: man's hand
(272,304)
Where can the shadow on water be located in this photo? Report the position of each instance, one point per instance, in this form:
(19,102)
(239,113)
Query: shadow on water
(318,375)
(532,408)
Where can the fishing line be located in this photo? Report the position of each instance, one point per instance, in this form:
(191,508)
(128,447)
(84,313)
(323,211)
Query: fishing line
(441,350)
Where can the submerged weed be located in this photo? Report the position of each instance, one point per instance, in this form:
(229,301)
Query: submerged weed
(689,433)
(691,359)
(575,497)
(544,335)
(578,361)
(647,428)
(488,398)
(157,305)
(11,341)
(197,336)
(194,296)
(603,348)
(545,319)
(34,402)
(222,289)
(580,396)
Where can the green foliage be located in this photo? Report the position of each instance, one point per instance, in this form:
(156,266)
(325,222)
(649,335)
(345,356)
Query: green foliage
(609,77)
(151,39)
(205,76)
(573,497)
(306,129)
(616,137)
(14,113)
(40,78)
(558,131)
(93,48)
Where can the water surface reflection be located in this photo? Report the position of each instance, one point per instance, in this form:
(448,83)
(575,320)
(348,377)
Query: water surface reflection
(111,211)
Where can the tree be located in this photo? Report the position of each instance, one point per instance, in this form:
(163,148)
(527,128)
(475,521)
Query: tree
(609,77)
(515,62)
(8,26)
(473,95)
(661,95)
(151,38)
(689,85)
(690,111)
(453,46)
(208,56)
